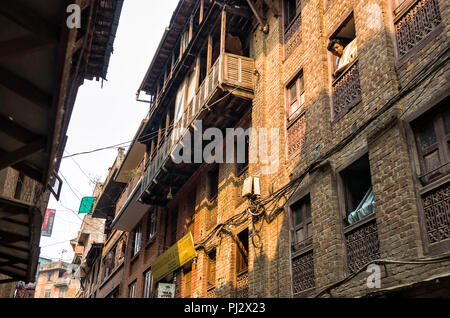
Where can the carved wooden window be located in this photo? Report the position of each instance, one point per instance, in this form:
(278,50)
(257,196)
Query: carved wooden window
(295,97)
(414,21)
(291,9)
(303,274)
(292,23)
(301,222)
(432,134)
(345,86)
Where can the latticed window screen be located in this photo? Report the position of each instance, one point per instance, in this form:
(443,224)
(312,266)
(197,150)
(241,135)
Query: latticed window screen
(362,245)
(303,273)
(413,25)
(436,206)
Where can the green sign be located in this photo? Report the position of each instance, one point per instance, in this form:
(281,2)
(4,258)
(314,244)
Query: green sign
(86,205)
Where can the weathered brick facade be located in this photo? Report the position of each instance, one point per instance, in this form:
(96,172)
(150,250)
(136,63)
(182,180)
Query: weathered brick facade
(369,139)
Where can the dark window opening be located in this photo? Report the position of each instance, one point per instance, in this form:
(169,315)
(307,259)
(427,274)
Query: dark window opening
(213,183)
(291,9)
(357,190)
(19,185)
(211,274)
(242,252)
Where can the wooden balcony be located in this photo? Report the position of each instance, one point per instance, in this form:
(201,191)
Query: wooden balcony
(220,101)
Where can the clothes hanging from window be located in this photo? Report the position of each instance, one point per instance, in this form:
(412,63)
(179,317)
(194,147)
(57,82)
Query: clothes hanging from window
(364,208)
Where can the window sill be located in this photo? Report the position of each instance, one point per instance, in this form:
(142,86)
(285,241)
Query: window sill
(135,257)
(434,184)
(302,248)
(361,222)
(114,271)
(150,241)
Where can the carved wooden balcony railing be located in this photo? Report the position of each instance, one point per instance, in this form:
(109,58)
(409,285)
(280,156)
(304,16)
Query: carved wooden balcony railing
(414,23)
(230,73)
(303,273)
(242,285)
(346,91)
(436,204)
(362,243)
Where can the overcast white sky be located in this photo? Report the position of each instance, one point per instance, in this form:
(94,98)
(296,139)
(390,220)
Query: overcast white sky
(106,116)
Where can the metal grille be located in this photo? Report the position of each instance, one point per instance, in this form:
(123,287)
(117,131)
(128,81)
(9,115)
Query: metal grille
(346,91)
(415,24)
(303,272)
(437,213)
(362,245)
(242,285)
(296,136)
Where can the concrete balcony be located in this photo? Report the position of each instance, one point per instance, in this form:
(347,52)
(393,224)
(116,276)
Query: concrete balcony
(62,282)
(220,101)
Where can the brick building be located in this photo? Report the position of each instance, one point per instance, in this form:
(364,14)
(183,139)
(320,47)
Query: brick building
(356,183)
(56,280)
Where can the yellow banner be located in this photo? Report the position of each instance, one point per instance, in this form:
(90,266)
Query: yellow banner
(176,256)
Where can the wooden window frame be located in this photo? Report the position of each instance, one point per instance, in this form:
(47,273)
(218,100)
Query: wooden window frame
(441,146)
(442,98)
(343,191)
(304,225)
(287,23)
(299,99)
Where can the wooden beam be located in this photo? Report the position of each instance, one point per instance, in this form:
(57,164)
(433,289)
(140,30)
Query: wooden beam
(29,20)
(11,158)
(202,9)
(209,53)
(8,280)
(8,237)
(14,130)
(25,89)
(223,31)
(22,46)
(9,263)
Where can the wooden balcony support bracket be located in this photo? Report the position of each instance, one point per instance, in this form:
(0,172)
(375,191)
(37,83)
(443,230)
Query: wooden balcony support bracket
(11,158)
(263,25)
(25,89)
